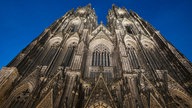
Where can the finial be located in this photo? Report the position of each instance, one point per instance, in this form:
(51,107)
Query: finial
(113,6)
(100,75)
(123,8)
(101,22)
(89,5)
(72,10)
(101,69)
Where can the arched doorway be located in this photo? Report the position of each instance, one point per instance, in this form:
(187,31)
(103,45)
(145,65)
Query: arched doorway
(100,104)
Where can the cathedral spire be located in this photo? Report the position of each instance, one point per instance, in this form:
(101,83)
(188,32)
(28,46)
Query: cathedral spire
(76,63)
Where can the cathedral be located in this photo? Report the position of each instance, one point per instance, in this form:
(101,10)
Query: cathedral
(78,63)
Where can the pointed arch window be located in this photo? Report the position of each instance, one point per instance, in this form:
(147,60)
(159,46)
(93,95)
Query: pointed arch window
(51,53)
(152,55)
(132,56)
(74,26)
(101,56)
(129,29)
(20,95)
(69,55)
(139,28)
(20,99)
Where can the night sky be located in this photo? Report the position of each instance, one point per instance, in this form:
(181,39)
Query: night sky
(23,20)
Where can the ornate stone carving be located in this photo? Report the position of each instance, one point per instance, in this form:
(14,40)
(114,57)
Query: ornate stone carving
(78,63)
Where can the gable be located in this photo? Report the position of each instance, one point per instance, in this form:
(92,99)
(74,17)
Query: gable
(101,36)
(99,28)
(47,101)
(100,95)
(101,31)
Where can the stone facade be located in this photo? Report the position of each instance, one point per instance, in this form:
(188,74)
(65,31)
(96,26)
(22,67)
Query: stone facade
(78,63)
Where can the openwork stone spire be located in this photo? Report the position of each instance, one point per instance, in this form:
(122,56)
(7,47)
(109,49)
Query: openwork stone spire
(78,63)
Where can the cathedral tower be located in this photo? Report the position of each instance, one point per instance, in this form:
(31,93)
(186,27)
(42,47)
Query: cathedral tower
(78,63)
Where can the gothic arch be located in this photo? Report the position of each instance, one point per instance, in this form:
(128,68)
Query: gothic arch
(64,25)
(73,40)
(20,92)
(28,83)
(69,49)
(126,22)
(147,43)
(180,98)
(132,52)
(139,27)
(51,49)
(100,104)
(55,41)
(101,55)
(129,26)
(151,53)
(129,41)
(22,88)
(105,42)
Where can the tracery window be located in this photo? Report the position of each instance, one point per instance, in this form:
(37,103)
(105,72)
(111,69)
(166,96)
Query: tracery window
(20,99)
(73,28)
(132,56)
(140,28)
(129,29)
(101,56)
(51,53)
(152,55)
(69,55)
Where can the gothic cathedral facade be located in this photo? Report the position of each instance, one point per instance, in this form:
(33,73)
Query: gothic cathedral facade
(78,63)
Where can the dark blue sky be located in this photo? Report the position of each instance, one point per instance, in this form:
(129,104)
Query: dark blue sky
(23,20)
